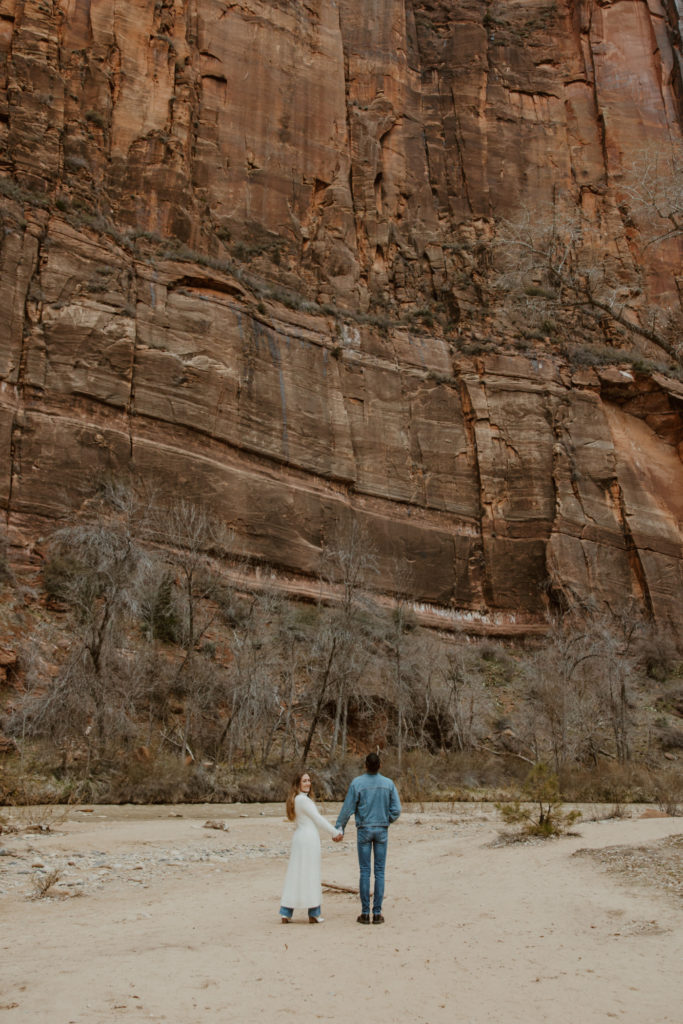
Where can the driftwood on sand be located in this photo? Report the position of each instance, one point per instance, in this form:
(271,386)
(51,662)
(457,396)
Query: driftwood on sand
(331,887)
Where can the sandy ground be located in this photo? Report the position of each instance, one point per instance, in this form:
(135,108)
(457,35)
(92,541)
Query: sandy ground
(162,919)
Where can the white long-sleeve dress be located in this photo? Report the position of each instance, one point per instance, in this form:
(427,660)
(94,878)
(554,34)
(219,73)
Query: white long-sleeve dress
(303,886)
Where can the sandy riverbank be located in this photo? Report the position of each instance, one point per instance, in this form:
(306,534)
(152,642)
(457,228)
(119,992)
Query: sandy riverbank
(162,919)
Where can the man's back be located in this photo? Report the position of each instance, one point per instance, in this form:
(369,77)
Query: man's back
(373,799)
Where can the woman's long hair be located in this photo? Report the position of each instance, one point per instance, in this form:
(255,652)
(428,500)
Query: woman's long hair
(294,791)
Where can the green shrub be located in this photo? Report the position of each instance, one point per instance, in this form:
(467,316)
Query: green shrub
(159,613)
(94,117)
(537,810)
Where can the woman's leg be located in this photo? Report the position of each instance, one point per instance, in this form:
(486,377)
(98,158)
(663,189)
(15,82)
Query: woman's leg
(286,913)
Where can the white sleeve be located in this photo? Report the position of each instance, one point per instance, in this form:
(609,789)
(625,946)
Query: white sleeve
(306,806)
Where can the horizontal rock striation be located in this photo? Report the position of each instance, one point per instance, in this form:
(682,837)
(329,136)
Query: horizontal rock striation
(495,479)
(216,217)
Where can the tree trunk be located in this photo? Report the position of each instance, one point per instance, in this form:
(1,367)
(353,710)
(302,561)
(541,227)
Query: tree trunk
(318,707)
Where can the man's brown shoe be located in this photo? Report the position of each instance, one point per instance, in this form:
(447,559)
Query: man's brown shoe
(363,919)
(377,919)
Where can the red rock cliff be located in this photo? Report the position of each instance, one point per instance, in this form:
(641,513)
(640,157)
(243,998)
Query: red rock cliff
(218,220)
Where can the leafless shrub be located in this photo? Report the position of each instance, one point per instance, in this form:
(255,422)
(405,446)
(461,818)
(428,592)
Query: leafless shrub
(657,651)
(578,705)
(95,568)
(608,782)
(426,718)
(653,191)
(43,884)
(188,599)
(161,780)
(7,826)
(42,819)
(618,810)
(260,690)
(450,701)
(192,540)
(341,646)
(554,265)
(467,701)
(405,668)
(500,667)
(668,787)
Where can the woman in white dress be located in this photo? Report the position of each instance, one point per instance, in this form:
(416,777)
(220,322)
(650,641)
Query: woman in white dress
(303,887)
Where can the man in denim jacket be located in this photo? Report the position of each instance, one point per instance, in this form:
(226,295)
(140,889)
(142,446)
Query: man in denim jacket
(374,800)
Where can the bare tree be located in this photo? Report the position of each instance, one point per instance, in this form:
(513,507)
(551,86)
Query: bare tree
(342,646)
(95,567)
(191,593)
(431,726)
(465,698)
(553,266)
(653,190)
(319,666)
(191,540)
(619,637)
(579,695)
(290,640)
(402,676)
(262,681)
(404,668)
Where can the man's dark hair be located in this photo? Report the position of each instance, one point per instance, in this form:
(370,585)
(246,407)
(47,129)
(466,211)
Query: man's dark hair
(372,763)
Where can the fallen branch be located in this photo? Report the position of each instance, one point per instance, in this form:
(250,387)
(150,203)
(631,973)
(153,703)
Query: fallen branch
(502,753)
(331,887)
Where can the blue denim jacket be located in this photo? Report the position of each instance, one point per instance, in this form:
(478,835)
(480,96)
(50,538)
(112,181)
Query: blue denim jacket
(373,799)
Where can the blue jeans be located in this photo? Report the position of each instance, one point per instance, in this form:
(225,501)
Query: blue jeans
(371,841)
(288,911)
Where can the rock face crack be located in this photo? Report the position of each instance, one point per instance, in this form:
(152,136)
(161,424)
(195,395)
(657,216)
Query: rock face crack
(356,180)
(472,416)
(130,407)
(637,568)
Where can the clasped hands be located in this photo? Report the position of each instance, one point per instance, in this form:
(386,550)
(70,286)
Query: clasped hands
(338,839)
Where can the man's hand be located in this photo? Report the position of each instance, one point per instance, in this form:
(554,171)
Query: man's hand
(338,839)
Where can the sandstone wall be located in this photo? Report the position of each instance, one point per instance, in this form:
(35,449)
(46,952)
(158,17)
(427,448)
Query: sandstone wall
(354,154)
(494,479)
(355,149)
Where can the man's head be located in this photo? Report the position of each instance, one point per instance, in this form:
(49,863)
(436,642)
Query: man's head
(372,763)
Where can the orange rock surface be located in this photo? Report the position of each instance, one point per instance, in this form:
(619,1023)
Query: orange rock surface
(214,215)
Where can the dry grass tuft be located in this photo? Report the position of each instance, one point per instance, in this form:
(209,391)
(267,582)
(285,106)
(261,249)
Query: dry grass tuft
(43,885)
(6,825)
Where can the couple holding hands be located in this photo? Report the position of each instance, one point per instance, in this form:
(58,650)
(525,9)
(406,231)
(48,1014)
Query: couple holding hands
(374,800)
